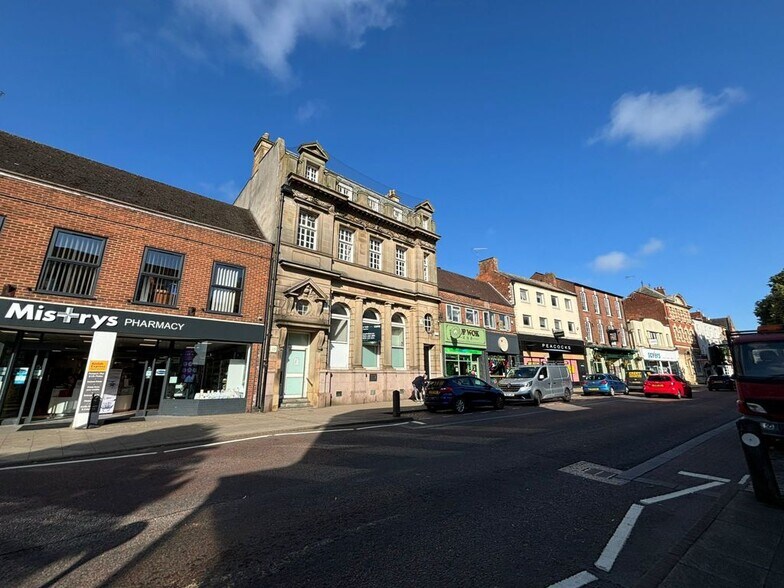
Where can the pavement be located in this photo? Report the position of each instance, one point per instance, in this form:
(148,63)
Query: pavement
(738,542)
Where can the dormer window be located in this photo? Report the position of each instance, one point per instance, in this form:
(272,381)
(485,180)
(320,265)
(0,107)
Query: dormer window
(426,223)
(346,190)
(311,172)
(373,203)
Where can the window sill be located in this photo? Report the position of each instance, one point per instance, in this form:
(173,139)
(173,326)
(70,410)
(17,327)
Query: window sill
(48,293)
(218,313)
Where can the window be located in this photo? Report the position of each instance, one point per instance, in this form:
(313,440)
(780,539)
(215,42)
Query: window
(427,322)
(504,324)
(584,300)
(653,338)
(339,330)
(426,223)
(306,234)
(453,314)
(601,333)
(527,320)
(373,203)
(398,214)
(72,264)
(540,298)
(667,336)
(374,254)
(226,288)
(568,304)
(345,244)
(311,172)
(489,319)
(557,324)
(618,308)
(2,221)
(371,338)
(472,317)
(400,261)
(554,301)
(624,340)
(523,294)
(596,308)
(542,322)
(159,279)
(607,305)
(588,330)
(346,190)
(398,341)
(426,267)
(571,327)
(302,307)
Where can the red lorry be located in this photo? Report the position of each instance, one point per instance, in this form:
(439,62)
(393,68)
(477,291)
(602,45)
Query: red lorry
(758,359)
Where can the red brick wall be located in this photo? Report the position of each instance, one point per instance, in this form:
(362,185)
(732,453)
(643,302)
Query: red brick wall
(33,211)
(488,272)
(480,305)
(638,306)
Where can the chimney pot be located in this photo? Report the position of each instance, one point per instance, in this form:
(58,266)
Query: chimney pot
(392,195)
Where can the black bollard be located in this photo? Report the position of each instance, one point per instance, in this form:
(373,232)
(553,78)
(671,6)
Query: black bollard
(757,453)
(396,403)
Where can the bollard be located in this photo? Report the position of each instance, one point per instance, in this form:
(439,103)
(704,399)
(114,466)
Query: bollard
(757,453)
(396,403)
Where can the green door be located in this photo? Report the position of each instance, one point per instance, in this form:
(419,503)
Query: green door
(296,365)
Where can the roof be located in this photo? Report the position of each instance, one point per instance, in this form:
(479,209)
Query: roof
(586,286)
(536,283)
(27,158)
(457,284)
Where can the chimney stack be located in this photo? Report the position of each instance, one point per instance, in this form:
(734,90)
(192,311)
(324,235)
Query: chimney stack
(262,147)
(661,290)
(488,265)
(392,195)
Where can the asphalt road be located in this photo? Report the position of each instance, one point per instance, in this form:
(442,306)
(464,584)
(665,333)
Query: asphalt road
(458,500)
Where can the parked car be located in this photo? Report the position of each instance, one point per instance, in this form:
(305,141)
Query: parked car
(721,383)
(635,379)
(607,384)
(461,393)
(537,383)
(666,385)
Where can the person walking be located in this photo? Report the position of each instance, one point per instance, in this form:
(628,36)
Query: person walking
(419,388)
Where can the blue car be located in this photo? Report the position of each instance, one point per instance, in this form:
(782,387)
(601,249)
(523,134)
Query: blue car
(607,384)
(461,393)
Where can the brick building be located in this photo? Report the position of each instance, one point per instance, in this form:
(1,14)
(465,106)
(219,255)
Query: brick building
(356,295)
(477,327)
(673,312)
(607,343)
(118,285)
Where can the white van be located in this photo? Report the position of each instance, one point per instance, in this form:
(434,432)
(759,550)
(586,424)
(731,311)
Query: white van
(538,383)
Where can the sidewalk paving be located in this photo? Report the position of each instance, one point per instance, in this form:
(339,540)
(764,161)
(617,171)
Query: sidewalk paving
(22,445)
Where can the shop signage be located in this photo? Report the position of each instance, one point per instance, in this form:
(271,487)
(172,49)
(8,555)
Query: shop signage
(554,346)
(658,354)
(109,397)
(502,343)
(452,334)
(15,313)
(613,336)
(371,333)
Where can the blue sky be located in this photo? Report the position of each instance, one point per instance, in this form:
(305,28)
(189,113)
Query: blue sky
(610,142)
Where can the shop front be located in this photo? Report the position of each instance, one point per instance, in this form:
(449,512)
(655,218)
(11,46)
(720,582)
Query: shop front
(661,361)
(55,357)
(610,359)
(537,350)
(503,353)
(465,350)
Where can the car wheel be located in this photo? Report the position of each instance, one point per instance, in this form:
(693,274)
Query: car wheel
(626,390)
(460,406)
(498,403)
(537,398)
(567,397)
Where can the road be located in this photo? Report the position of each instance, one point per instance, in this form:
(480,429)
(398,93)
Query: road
(462,500)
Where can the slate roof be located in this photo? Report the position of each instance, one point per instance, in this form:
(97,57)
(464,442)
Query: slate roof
(457,284)
(536,283)
(34,160)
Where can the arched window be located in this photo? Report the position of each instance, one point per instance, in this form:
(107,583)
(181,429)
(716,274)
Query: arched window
(588,330)
(371,339)
(398,341)
(339,330)
(428,322)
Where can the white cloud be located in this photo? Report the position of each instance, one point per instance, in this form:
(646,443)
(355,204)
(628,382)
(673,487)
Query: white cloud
(652,246)
(268,30)
(309,110)
(614,261)
(226,191)
(664,120)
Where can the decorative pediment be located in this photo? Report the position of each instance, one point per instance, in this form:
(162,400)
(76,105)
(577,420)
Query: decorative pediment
(425,206)
(306,300)
(314,150)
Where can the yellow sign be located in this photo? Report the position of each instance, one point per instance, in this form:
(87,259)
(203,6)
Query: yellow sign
(98,365)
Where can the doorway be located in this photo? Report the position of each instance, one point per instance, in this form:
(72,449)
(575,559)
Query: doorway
(295,374)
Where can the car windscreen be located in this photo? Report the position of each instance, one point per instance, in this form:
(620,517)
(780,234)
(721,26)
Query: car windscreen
(762,359)
(522,372)
(435,384)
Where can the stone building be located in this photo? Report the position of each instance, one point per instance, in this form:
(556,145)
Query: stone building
(477,328)
(546,318)
(673,312)
(356,295)
(709,347)
(116,285)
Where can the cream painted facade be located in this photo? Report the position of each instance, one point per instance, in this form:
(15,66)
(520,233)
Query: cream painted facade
(348,257)
(558,309)
(655,350)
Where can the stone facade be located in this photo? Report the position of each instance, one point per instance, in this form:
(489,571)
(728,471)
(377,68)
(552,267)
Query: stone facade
(356,297)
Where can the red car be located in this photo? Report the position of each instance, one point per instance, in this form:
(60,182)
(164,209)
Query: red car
(666,384)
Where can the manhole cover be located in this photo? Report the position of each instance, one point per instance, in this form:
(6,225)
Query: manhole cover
(594,471)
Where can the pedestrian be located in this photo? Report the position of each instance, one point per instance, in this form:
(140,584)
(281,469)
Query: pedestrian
(419,388)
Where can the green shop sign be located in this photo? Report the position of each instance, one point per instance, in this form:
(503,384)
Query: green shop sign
(463,336)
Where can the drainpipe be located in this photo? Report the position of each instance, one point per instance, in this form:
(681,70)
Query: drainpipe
(261,389)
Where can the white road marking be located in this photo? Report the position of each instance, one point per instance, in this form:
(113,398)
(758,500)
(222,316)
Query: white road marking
(705,477)
(382,426)
(575,581)
(417,423)
(71,461)
(744,479)
(214,444)
(617,541)
(679,493)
